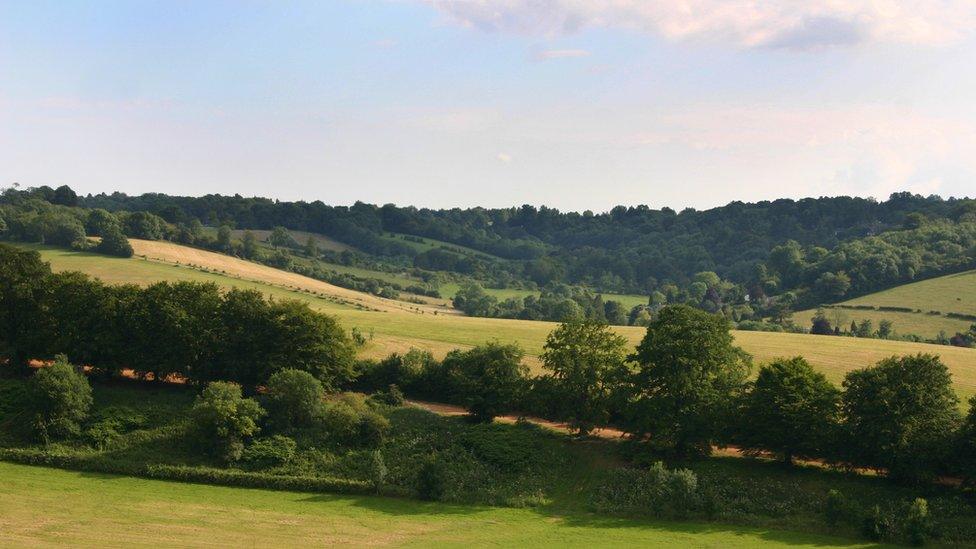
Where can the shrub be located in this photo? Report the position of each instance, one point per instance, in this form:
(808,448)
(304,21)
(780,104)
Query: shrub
(392,396)
(294,399)
(834,508)
(918,525)
(876,525)
(373,429)
(432,480)
(348,421)
(655,490)
(60,398)
(683,491)
(265,453)
(109,424)
(377,469)
(223,419)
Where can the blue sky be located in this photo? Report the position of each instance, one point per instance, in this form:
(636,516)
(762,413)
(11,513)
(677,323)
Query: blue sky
(577,104)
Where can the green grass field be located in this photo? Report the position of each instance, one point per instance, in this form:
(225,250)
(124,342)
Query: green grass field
(399,330)
(47,507)
(946,294)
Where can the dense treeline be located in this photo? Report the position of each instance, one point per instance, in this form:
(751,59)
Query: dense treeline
(753,263)
(189,330)
(686,389)
(626,249)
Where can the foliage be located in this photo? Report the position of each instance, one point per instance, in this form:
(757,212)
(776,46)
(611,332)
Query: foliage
(431,480)
(688,374)
(60,399)
(488,379)
(22,293)
(966,445)
(294,399)
(585,361)
(223,420)
(184,329)
(791,410)
(900,416)
(377,470)
(918,525)
(656,490)
(114,242)
(267,453)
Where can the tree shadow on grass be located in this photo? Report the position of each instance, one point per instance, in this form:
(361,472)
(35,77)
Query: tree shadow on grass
(415,508)
(786,537)
(400,506)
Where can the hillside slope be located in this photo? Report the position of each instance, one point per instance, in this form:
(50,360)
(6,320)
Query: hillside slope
(930,301)
(397,326)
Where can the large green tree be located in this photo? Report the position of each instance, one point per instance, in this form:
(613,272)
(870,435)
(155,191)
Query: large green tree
(791,410)
(584,361)
(688,374)
(900,416)
(23,321)
(966,445)
(488,379)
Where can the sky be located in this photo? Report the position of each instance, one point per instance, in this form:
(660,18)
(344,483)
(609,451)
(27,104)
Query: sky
(575,104)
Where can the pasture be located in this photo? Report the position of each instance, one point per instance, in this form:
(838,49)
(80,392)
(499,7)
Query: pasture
(954,293)
(46,507)
(398,326)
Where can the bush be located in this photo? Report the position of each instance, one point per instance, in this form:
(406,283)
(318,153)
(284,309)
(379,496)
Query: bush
(432,480)
(348,421)
(834,508)
(266,453)
(60,398)
(373,429)
(109,424)
(876,525)
(392,396)
(918,525)
(377,469)
(656,491)
(294,399)
(223,419)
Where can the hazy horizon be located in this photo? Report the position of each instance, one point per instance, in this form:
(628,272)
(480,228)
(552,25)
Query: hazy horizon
(494,103)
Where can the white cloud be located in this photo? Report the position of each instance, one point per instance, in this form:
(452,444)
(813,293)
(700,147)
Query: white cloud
(792,24)
(560,54)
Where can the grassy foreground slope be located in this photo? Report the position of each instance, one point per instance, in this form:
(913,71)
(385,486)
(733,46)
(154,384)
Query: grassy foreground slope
(954,293)
(398,326)
(41,507)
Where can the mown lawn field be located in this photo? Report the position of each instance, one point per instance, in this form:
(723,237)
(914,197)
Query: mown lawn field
(398,326)
(47,507)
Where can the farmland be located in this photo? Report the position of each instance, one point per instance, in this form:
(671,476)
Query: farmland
(929,302)
(79,508)
(398,326)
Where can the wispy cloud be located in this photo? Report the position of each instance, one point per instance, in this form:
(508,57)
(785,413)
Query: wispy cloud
(791,24)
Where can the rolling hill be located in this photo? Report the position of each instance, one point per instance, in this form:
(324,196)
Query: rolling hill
(923,306)
(396,326)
